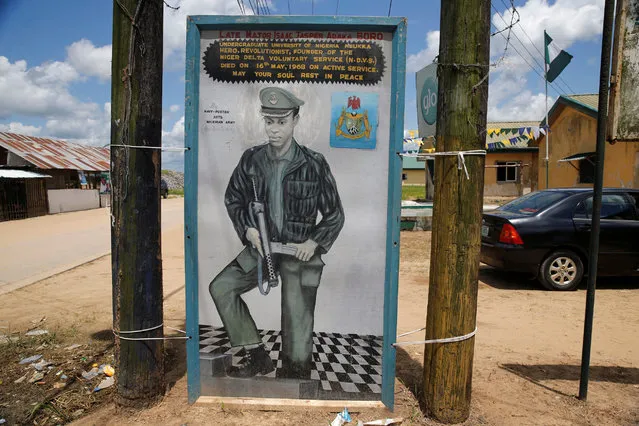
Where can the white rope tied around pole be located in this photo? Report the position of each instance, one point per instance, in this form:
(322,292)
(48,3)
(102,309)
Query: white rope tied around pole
(432,341)
(118,334)
(141,331)
(411,332)
(461,162)
(161,148)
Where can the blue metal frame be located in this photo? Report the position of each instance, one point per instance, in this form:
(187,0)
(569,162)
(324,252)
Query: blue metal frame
(191,100)
(195,24)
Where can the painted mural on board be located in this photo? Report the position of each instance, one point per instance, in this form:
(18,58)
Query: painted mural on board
(293,164)
(274,198)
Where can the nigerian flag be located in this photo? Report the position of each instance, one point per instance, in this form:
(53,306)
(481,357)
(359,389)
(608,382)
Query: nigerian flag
(558,64)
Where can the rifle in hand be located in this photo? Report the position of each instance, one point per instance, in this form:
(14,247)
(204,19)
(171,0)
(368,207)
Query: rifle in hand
(268,248)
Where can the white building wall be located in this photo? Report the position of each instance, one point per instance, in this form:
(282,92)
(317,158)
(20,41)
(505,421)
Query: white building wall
(69,200)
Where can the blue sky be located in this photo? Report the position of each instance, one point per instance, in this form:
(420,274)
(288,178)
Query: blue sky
(55,59)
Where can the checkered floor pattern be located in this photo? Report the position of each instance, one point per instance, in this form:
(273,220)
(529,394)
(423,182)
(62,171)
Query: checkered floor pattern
(343,362)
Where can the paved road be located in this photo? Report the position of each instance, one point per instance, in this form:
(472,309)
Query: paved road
(33,249)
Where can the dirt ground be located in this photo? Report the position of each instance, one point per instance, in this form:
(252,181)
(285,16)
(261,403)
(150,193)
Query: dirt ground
(526,370)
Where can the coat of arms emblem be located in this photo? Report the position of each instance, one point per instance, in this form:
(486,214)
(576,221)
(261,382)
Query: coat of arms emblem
(353,121)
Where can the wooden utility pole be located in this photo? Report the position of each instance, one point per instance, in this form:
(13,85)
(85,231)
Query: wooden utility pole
(136,120)
(454,267)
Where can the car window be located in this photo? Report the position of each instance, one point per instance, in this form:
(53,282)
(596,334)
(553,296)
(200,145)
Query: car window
(613,207)
(534,202)
(634,200)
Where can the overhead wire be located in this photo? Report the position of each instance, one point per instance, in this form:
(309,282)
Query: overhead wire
(390,5)
(289,6)
(503,55)
(240,4)
(491,65)
(510,26)
(528,63)
(265,8)
(253,7)
(558,89)
(518,39)
(337,8)
(541,54)
(562,87)
(510,30)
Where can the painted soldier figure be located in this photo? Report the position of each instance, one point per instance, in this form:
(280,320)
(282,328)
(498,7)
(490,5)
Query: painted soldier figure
(295,184)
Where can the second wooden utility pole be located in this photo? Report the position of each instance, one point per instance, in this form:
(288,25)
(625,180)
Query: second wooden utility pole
(136,134)
(454,267)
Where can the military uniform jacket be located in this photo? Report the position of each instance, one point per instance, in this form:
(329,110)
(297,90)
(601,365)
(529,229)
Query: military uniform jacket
(308,189)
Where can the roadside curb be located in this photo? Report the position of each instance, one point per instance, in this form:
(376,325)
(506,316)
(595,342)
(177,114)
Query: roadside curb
(9,287)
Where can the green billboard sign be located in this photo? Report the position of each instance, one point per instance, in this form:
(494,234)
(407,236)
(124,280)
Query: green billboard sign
(426,82)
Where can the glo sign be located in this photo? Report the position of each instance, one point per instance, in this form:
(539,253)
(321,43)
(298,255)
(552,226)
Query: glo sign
(426,82)
(429,101)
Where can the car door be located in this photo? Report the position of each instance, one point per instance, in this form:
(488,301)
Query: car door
(633,233)
(619,222)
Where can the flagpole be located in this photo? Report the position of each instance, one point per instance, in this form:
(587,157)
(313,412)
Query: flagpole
(556,66)
(547,123)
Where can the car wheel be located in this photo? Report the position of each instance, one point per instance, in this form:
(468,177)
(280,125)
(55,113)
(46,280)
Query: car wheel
(562,270)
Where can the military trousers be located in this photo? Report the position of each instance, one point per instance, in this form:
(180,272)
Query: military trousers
(300,281)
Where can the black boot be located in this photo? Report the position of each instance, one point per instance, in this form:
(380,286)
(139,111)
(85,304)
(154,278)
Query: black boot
(256,361)
(294,370)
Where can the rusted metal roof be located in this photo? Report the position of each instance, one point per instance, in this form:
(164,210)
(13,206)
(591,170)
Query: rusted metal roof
(47,153)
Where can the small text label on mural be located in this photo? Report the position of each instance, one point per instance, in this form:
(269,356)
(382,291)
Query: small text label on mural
(218,118)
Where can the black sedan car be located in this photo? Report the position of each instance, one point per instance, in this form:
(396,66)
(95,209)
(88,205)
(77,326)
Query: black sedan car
(547,233)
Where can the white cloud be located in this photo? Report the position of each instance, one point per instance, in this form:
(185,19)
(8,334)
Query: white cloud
(174,108)
(23,129)
(40,91)
(424,57)
(44,91)
(90,60)
(567,22)
(525,106)
(510,97)
(174,138)
(91,130)
(53,74)
(175,24)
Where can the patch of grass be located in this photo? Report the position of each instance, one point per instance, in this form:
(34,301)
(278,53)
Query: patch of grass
(413,192)
(179,192)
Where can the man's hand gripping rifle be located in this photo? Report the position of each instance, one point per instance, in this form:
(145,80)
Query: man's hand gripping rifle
(267,247)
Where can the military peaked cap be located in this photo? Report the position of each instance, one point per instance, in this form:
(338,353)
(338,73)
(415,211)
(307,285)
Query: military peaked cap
(277,102)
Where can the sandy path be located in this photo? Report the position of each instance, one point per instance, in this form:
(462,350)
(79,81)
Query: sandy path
(36,248)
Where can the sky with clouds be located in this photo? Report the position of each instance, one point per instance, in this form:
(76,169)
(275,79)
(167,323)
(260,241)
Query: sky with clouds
(55,59)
